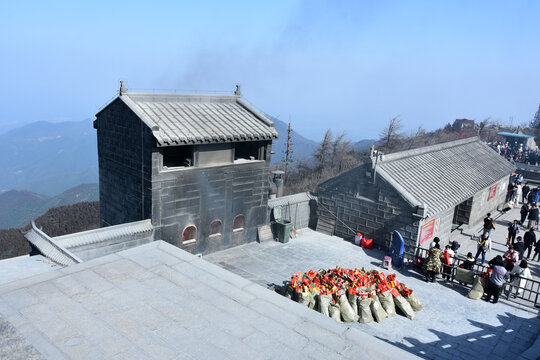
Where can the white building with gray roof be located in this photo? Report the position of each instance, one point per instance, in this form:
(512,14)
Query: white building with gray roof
(421,193)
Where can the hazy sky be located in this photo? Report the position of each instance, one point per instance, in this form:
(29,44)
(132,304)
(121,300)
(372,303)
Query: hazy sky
(348,65)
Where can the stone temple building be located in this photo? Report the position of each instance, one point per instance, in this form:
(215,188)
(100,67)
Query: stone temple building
(421,193)
(197,166)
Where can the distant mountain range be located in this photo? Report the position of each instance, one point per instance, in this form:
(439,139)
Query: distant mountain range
(365,144)
(48,158)
(18,208)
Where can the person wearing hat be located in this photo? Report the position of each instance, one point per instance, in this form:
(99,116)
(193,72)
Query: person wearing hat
(435,241)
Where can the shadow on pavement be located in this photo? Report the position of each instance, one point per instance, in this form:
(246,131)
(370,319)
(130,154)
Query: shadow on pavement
(506,341)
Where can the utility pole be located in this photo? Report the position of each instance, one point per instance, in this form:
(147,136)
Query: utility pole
(288,151)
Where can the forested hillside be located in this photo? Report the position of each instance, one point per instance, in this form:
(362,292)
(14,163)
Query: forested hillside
(57,221)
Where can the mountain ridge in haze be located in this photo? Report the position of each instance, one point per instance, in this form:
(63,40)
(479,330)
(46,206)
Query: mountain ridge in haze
(19,207)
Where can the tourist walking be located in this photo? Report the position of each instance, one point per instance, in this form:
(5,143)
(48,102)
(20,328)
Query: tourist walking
(489,224)
(516,195)
(495,281)
(533,217)
(529,240)
(483,246)
(523,212)
(519,275)
(524,192)
(448,261)
(536,251)
(433,263)
(519,246)
(513,230)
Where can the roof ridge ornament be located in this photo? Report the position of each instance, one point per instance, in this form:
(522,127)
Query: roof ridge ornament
(123,88)
(238,91)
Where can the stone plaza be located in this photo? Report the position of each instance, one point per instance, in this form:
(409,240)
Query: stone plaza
(451,326)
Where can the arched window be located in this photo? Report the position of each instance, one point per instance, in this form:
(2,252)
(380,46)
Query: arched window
(189,234)
(215,228)
(239,222)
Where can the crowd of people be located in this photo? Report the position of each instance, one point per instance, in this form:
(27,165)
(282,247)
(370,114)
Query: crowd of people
(517,153)
(512,266)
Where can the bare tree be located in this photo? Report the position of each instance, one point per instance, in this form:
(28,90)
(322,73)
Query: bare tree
(323,152)
(390,134)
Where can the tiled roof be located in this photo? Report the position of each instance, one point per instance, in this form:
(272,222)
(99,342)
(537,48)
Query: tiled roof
(104,234)
(179,119)
(49,248)
(444,175)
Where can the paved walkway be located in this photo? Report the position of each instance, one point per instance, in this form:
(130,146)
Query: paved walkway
(451,326)
(157,301)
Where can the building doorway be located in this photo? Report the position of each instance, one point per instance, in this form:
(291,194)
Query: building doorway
(462,213)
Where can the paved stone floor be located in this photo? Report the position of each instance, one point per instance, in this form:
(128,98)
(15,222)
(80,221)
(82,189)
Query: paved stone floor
(156,301)
(25,266)
(451,326)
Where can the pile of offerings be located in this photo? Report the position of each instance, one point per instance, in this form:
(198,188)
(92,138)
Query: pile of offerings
(352,294)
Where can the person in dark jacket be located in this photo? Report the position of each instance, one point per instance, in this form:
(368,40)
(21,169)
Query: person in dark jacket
(495,281)
(529,240)
(537,251)
(530,197)
(525,192)
(524,211)
(489,224)
(519,246)
(513,230)
(533,217)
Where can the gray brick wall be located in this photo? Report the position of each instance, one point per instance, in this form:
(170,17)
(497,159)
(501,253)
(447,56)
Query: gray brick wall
(198,196)
(481,204)
(375,210)
(125,152)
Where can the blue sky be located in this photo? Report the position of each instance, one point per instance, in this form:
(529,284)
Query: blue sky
(345,65)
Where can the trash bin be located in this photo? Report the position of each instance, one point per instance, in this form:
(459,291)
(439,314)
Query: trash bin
(282,226)
(283,230)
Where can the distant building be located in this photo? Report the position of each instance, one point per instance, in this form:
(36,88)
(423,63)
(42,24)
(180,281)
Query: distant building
(196,165)
(421,193)
(460,124)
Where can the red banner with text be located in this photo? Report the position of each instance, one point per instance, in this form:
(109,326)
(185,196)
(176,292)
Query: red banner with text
(426,233)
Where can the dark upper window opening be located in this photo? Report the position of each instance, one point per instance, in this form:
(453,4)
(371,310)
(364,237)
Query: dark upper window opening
(249,150)
(177,156)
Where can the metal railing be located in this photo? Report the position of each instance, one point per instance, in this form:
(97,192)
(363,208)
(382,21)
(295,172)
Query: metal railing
(529,292)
